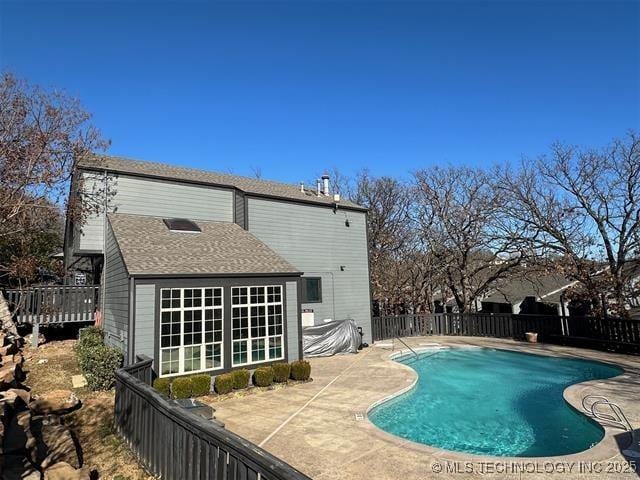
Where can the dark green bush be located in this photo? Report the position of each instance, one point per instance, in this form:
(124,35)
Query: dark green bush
(281,372)
(201,384)
(91,334)
(223,383)
(97,361)
(263,377)
(300,370)
(240,378)
(163,385)
(99,364)
(182,387)
(89,337)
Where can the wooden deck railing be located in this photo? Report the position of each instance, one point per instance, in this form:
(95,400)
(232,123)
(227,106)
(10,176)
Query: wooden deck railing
(53,303)
(173,443)
(621,335)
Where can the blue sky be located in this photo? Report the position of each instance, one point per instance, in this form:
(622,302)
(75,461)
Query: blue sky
(292,88)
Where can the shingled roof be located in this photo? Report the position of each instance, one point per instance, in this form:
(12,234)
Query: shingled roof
(148,247)
(244,184)
(545,287)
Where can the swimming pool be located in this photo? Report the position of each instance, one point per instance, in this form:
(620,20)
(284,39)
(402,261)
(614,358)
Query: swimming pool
(493,402)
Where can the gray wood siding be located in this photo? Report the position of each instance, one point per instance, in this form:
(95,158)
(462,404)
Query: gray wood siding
(317,242)
(293,322)
(116,296)
(157,198)
(144,328)
(89,236)
(239,212)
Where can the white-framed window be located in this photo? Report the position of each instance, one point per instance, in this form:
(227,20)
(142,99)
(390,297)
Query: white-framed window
(256,324)
(191,324)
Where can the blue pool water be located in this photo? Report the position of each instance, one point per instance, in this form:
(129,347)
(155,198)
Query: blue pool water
(493,402)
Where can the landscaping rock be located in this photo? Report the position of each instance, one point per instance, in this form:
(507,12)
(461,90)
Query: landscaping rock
(29,339)
(54,443)
(6,321)
(15,359)
(15,395)
(3,421)
(10,376)
(56,402)
(8,349)
(18,437)
(17,467)
(64,471)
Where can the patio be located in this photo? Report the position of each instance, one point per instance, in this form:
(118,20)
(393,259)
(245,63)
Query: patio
(321,427)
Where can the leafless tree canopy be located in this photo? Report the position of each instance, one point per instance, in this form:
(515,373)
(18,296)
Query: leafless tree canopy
(582,206)
(454,233)
(42,136)
(458,217)
(389,233)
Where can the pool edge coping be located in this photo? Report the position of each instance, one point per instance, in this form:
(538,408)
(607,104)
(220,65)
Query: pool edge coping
(605,449)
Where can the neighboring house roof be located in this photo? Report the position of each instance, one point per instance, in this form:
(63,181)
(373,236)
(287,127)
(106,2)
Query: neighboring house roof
(148,247)
(546,288)
(631,268)
(245,184)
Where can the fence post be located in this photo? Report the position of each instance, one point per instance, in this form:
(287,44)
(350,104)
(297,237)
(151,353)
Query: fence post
(34,334)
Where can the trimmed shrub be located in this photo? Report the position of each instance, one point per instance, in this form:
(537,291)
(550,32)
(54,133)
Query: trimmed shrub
(223,383)
(201,384)
(182,387)
(97,361)
(99,364)
(281,372)
(240,378)
(163,385)
(300,370)
(89,337)
(263,377)
(91,333)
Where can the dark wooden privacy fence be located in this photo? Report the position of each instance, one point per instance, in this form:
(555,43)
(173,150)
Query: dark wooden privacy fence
(53,304)
(622,335)
(500,325)
(174,444)
(619,334)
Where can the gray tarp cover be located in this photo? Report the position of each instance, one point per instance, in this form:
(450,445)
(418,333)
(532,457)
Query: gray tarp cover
(340,336)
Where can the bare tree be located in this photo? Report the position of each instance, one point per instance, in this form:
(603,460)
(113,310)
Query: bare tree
(457,211)
(422,277)
(389,234)
(583,207)
(43,134)
(257,172)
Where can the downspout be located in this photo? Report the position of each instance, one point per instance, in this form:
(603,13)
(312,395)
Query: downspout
(131,335)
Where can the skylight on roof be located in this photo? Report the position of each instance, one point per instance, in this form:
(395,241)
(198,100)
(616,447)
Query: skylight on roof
(181,225)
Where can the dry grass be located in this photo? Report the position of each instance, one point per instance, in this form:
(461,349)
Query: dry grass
(102,451)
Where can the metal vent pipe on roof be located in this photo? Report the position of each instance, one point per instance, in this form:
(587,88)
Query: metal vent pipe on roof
(325,184)
(318,187)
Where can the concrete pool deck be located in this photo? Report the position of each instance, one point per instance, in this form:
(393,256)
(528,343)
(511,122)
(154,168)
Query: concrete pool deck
(321,427)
